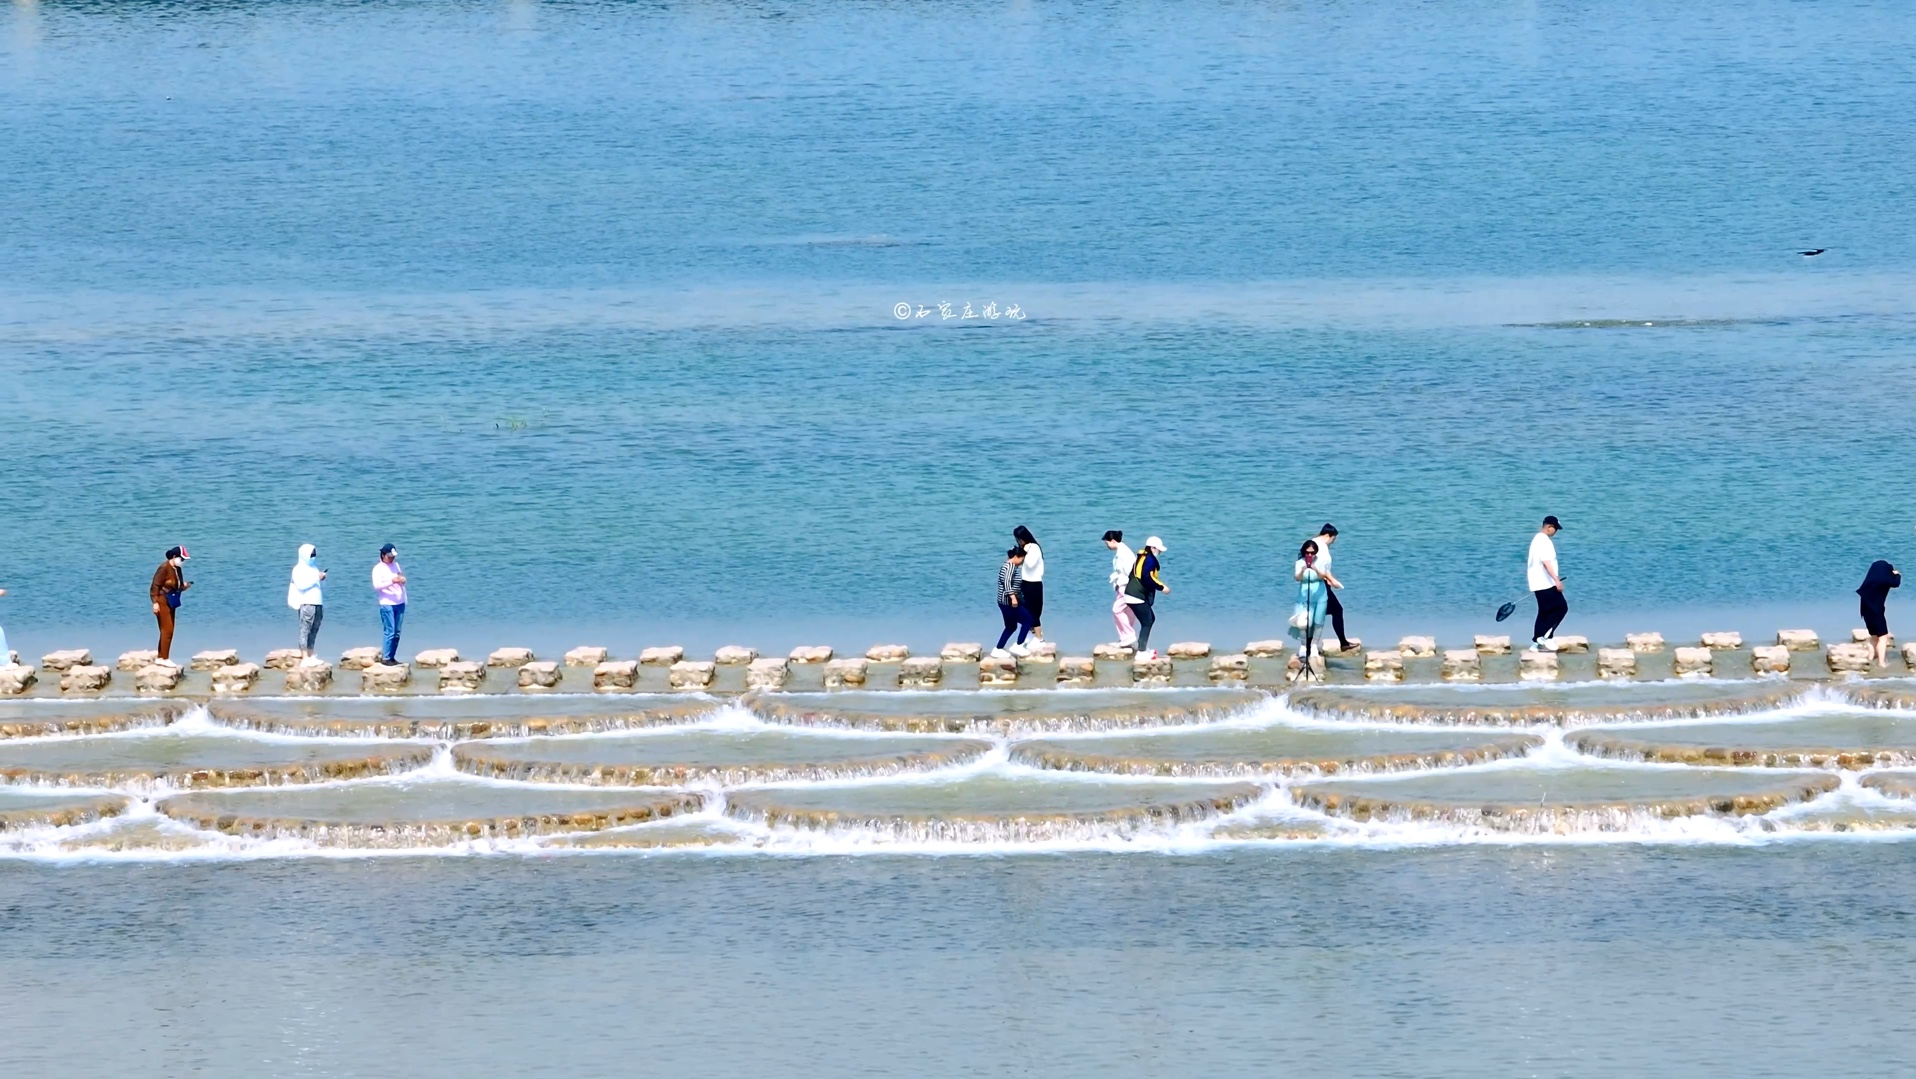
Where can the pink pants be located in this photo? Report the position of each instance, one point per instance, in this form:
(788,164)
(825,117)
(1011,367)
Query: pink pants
(1126,622)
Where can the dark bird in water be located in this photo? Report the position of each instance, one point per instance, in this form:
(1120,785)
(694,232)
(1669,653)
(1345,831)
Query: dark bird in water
(1812,254)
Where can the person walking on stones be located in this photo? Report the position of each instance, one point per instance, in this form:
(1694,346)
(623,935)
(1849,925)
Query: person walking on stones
(169,584)
(6,655)
(1333,609)
(1032,578)
(1313,599)
(1142,585)
(1121,616)
(389,584)
(303,594)
(1547,585)
(1011,605)
(1875,592)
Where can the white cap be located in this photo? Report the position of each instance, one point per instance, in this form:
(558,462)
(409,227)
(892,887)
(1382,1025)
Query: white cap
(1154,542)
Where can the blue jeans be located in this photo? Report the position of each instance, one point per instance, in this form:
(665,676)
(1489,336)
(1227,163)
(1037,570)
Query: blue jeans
(1018,618)
(391,616)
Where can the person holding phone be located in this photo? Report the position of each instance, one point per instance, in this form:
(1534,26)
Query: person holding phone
(169,584)
(1547,585)
(303,594)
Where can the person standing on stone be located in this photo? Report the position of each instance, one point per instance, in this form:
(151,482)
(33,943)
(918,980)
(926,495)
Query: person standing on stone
(169,584)
(1142,586)
(389,584)
(1333,609)
(1547,585)
(1011,605)
(6,655)
(1121,616)
(303,594)
(1032,586)
(1313,600)
(1875,592)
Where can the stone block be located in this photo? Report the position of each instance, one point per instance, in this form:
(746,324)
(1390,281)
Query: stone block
(1266,649)
(1041,652)
(283,659)
(214,658)
(1849,657)
(158,677)
(134,661)
(734,655)
(1189,650)
(1616,663)
(1770,659)
(1491,646)
(689,674)
(1642,643)
(1077,670)
(1151,672)
(510,658)
(1861,634)
(887,653)
(1119,652)
(67,660)
(921,672)
(1694,661)
(998,671)
(768,672)
(1417,647)
(540,674)
(1798,640)
(662,656)
(1909,655)
(313,679)
(1330,647)
(1235,667)
(436,658)
(16,679)
(85,679)
(844,673)
(960,652)
(811,653)
(1536,666)
(358,659)
(1463,665)
(1572,644)
(236,678)
(1722,642)
(462,676)
(587,655)
(616,674)
(1384,666)
(384,676)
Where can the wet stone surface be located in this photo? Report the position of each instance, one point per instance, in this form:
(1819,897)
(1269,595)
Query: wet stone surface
(34,719)
(1283,750)
(711,756)
(28,808)
(1538,704)
(1003,711)
(200,759)
(460,717)
(1848,740)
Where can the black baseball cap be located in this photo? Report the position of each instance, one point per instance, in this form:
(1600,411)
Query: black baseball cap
(386,549)
(1553,522)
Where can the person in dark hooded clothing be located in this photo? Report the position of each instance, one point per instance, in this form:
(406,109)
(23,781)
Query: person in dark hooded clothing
(1875,592)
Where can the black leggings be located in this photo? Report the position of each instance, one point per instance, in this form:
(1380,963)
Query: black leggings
(1146,619)
(1032,600)
(1014,619)
(1336,612)
(1551,607)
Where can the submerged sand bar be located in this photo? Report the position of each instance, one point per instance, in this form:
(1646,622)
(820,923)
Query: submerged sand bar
(459,717)
(200,759)
(991,807)
(1560,705)
(711,756)
(1002,711)
(1597,798)
(1282,750)
(1847,740)
(427,813)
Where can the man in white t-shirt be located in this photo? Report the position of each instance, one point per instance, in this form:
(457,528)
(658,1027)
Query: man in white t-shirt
(1547,585)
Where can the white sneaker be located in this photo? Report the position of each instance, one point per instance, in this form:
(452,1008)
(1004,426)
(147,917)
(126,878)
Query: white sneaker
(1020,651)
(1148,654)
(999,653)
(1548,644)
(310,661)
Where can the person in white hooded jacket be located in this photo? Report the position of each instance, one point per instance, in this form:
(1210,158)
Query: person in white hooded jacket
(1121,559)
(303,595)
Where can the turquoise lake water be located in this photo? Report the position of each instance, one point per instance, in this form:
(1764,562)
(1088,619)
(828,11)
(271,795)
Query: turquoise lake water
(588,307)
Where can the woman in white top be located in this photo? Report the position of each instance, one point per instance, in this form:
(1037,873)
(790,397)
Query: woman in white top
(1031,588)
(303,595)
(1121,559)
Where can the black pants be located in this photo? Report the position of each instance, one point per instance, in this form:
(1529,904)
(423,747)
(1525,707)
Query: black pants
(1551,607)
(1031,598)
(1146,619)
(1336,612)
(1014,619)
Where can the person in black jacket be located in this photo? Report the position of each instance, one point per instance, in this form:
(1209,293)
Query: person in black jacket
(1141,590)
(1875,592)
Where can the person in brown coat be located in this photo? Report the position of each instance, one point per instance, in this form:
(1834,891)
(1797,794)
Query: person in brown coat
(168,584)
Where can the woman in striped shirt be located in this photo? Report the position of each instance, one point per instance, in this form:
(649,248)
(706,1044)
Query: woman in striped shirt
(1011,604)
